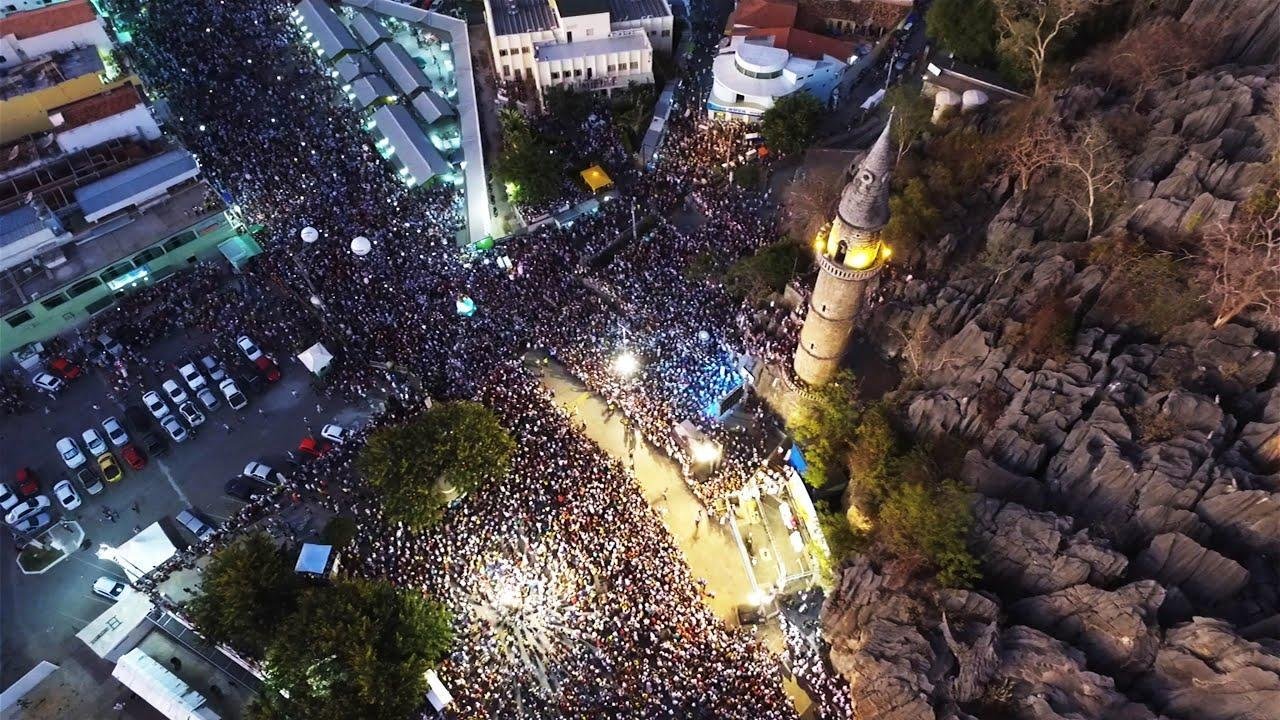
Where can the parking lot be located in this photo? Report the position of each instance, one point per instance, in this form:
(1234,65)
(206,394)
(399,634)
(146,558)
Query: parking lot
(42,613)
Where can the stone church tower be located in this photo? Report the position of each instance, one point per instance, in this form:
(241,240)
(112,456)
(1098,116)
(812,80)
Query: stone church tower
(849,257)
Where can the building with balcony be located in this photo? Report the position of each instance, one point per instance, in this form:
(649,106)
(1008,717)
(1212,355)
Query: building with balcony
(590,45)
(753,70)
(28,34)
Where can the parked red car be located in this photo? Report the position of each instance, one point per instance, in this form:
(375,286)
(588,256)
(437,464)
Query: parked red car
(64,368)
(133,456)
(28,483)
(268,368)
(314,448)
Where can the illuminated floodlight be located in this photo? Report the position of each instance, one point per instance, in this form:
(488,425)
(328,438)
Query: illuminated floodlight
(626,364)
(706,452)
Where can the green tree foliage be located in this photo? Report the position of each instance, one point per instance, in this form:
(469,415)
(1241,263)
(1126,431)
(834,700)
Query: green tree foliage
(965,27)
(912,115)
(931,524)
(248,589)
(789,126)
(457,444)
(758,276)
(526,165)
(1153,290)
(340,531)
(842,541)
(870,455)
(568,107)
(913,219)
(825,425)
(355,650)
(633,109)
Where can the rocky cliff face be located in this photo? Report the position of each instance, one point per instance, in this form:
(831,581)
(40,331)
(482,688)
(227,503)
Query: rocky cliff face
(1127,489)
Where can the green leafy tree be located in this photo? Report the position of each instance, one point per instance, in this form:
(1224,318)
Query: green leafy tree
(340,531)
(789,126)
(248,589)
(913,219)
(453,447)
(931,524)
(567,106)
(870,455)
(758,276)
(825,425)
(912,115)
(355,650)
(965,27)
(527,164)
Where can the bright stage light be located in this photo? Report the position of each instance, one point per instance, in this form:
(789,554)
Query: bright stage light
(706,452)
(626,364)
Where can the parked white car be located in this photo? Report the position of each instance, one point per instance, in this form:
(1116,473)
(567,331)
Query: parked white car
(176,432)
(47,382)
(335,434)
(174,391)
(192,522)
(213,368)
(192,377)
(70,453)
(8,499)
(247,347)
(94,442)
(235,398)
(115,432)
(189,413)
(155,404)
(66,495)
(262,473)
(207,398)
(27,508)
(109,588)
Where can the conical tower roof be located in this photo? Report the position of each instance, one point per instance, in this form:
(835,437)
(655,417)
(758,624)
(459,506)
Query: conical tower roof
(864,203)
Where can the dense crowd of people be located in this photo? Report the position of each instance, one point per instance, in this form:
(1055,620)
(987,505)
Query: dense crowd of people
(630,636)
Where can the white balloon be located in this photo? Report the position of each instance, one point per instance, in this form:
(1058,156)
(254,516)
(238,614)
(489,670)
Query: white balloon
(309,234)
(361,246)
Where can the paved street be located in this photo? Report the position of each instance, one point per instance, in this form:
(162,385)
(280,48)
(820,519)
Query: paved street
(42,613)
(710,548)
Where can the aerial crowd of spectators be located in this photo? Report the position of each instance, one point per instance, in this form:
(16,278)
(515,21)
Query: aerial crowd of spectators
(618,628)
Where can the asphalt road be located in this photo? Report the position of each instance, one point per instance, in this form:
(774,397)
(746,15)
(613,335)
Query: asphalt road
(40,614)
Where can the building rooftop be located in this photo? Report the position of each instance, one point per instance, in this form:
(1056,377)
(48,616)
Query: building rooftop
(573,8)
(512,17)
(412,147)
(368,28)
(804,44)
(34,23)
(119,239)
(370,89)
(619,42)
(946,72)
(626,10)
(431,106)
(97,107)
(354,65)
(763,13)
(19,225)
(48,71)
(883,14)
(138,184)
(400,68)
(326,28)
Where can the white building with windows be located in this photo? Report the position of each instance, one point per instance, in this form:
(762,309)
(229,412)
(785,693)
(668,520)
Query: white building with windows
(751,73)
(591,45)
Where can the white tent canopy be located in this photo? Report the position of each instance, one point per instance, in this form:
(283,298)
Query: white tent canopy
(313,559)
(316,358)
(437,694)
(163,690)
(141,553)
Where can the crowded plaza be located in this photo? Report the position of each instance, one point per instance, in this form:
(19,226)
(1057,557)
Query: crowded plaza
(570,598)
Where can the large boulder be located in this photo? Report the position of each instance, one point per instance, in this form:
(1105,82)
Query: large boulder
(1206,671)
(1116,629)
(1034,553)
(1203,574)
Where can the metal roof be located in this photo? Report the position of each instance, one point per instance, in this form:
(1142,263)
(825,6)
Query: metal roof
(19,224)
(431,106)
(571,8)
(326,28)
(619,42)
(354,65)
(625,10)
(512,17)
(369,29)
(400,67)
(412,146)
(370,89)
(149,179)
